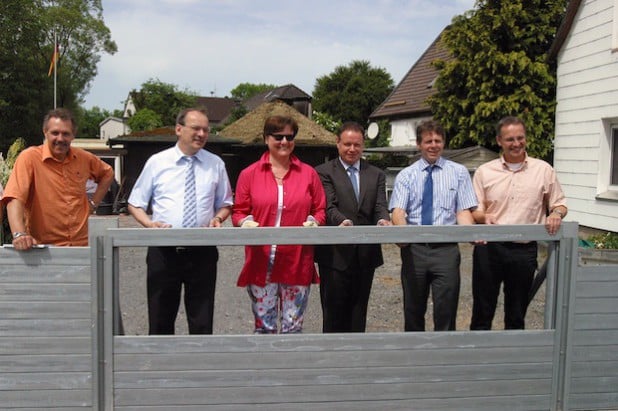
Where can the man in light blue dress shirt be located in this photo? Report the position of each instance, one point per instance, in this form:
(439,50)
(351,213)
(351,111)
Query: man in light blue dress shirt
(161,185)
(432,266)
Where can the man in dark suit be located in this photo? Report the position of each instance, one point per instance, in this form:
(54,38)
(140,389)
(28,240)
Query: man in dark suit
(355,195)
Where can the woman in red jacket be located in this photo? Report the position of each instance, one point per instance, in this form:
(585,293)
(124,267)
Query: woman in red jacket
(278,190)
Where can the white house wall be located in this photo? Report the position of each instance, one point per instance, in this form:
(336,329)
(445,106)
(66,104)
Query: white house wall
(113,128)
(403,132)
(587,95)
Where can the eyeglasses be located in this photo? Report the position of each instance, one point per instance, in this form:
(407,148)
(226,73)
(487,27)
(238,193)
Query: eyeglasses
(197,129)
(279,137)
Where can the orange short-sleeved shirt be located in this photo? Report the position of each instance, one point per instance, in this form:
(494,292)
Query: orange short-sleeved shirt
(54,193)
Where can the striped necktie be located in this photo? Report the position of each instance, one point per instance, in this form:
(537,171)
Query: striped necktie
(189,212)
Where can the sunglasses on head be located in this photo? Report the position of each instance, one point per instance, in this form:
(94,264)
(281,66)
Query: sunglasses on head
(279,137)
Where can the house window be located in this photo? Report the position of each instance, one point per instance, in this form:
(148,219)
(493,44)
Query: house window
(614,161)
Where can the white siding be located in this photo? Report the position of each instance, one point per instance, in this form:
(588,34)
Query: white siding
(113,127)
(587,95)
(403,132)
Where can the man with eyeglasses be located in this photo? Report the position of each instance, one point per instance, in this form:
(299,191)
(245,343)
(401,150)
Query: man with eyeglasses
(186,186)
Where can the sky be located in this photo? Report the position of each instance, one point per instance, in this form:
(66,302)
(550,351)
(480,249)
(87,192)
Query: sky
(211,46)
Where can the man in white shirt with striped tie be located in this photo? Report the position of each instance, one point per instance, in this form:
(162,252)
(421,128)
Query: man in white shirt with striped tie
(432,191)
(186,186)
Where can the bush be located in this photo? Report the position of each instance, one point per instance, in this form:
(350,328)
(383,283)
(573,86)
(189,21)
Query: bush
(6,166)
(608,240)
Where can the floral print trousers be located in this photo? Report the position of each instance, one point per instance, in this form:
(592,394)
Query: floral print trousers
(278,300)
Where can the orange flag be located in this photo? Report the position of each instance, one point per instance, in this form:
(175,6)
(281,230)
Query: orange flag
(54,61)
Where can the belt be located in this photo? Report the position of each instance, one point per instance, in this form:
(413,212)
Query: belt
(510,244)
(436,245)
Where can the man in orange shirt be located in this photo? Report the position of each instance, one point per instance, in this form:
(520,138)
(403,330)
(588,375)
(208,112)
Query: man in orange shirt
(46,192)
(513,189)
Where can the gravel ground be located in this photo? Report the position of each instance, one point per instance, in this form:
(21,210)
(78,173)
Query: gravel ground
(233,312)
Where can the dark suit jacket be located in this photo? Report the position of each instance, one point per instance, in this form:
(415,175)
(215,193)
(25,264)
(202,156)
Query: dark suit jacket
(341,204)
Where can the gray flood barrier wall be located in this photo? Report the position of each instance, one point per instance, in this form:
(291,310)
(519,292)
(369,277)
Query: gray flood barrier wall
(58,349)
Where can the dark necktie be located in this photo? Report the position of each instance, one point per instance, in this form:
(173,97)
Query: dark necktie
(189,212)
(352,175)
(427,202)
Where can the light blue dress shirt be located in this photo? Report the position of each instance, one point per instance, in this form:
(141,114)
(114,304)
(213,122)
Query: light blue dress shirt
(452,191)
(161,184)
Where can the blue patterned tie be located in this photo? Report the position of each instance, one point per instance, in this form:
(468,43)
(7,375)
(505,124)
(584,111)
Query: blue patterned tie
(352,174)
(189,212)
(427,201)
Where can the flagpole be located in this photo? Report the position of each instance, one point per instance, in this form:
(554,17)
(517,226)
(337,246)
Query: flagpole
(55,64)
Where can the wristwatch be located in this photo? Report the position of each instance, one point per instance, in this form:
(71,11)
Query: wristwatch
(93,206)
(559,212)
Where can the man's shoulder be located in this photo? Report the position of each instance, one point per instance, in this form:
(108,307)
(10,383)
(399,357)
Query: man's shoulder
(367,167)
(32,151)
(537,162)
(453,164)
(327,166)
(495,163)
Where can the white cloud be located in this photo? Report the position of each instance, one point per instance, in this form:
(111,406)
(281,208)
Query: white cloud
(212,46)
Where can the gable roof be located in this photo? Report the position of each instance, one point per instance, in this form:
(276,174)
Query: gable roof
(287,93)
(410,95)
(218,108)
(564,29)
(249,128)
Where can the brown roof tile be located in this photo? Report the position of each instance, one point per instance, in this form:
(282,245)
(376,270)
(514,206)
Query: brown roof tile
(410,95)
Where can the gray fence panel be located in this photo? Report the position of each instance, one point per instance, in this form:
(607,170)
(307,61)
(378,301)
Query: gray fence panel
(594,380)
(462,370)
(357,372)
(45,329)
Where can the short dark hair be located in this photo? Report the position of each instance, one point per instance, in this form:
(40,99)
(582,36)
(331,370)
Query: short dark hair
(509,121)
(180,118)
(350,126)
(429,126)
(274,124)
(63,114)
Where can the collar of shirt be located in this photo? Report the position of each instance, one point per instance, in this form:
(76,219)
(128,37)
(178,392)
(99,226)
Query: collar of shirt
(265,163)
(505,165)
(346,165)
(424,163)
(46,154)
(179,155)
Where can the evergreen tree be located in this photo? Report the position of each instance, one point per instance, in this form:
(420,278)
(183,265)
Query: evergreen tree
(499,68)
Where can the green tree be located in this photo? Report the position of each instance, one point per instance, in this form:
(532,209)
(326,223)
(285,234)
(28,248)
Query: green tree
(29,28)
(352,92)
(243,91)
(88,121)
(145,119)
(384,135)
(164,99)
(499,68)
(327,121)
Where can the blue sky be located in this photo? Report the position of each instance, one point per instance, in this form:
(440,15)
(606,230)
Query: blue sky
(211,46)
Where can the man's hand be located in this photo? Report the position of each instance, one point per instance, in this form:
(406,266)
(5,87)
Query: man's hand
(158,224)
(552,225)
(23,241)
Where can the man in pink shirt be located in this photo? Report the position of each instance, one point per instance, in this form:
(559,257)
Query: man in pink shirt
(513,189)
